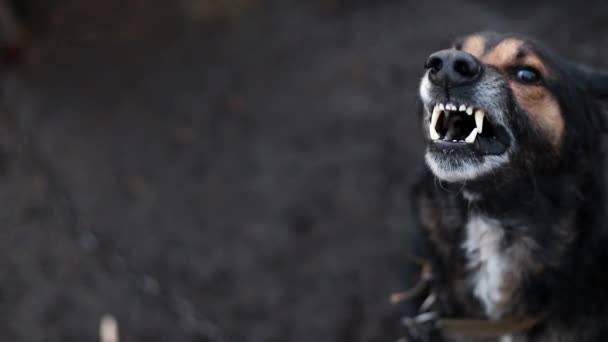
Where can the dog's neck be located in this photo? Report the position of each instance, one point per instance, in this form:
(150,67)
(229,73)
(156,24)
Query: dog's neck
(548,191)
(510,224)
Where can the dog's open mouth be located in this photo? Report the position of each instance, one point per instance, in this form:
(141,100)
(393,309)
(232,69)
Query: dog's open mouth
(465,126)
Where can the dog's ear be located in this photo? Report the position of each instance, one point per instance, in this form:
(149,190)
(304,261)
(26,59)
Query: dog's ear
(595,82)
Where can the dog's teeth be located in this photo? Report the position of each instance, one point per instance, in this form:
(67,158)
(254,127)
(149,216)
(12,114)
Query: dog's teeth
(471,138)
(441,106)
(432,131)
(470,110)
(462,108)
(479,115)
(434,134)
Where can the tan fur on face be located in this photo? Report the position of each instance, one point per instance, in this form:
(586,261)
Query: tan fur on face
(475,45)
(504,55)
(543,109)
(537,101)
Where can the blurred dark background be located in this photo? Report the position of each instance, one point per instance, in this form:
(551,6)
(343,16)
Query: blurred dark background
(228,170)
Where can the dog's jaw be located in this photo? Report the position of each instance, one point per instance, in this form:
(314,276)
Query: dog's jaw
(470,165)
(447,170)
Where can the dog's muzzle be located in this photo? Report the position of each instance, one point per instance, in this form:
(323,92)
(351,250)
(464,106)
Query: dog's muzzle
(465,107)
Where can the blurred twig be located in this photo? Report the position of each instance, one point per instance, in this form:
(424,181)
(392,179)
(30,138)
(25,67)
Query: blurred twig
(108,329)
(417,289)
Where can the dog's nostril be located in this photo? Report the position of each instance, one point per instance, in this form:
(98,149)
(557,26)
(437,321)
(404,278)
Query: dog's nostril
(434,63)
(466,68)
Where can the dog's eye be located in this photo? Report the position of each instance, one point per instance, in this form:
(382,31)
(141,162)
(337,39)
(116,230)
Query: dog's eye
(526,75)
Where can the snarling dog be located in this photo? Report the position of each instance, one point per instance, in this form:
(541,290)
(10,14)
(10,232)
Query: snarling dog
(512,204)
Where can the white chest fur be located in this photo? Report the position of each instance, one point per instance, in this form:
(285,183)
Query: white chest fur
(489,261)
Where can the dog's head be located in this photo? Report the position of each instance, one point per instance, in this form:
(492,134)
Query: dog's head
(500,103)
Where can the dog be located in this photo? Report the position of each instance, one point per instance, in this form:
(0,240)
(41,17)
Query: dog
(512,204)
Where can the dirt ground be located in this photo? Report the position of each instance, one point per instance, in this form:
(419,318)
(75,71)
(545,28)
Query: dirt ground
(226,174)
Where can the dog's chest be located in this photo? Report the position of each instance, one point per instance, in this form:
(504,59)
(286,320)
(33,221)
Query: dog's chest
(490,264)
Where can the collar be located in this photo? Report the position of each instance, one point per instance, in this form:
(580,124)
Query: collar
(484,328)
(465,327)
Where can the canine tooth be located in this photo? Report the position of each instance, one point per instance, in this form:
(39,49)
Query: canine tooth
(434,134)
(479,119)
(434,118)
(470,110)
(462,108)
(471,138)
(441,106)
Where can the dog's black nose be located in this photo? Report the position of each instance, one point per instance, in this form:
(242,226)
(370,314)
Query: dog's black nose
(451,68)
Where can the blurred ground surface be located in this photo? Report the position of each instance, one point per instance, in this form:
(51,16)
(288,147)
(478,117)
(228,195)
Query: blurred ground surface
(233,174)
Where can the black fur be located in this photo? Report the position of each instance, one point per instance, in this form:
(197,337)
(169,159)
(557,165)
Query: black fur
(551,199)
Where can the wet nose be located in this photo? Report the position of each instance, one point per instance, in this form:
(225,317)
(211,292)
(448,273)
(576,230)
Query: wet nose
(451,68)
